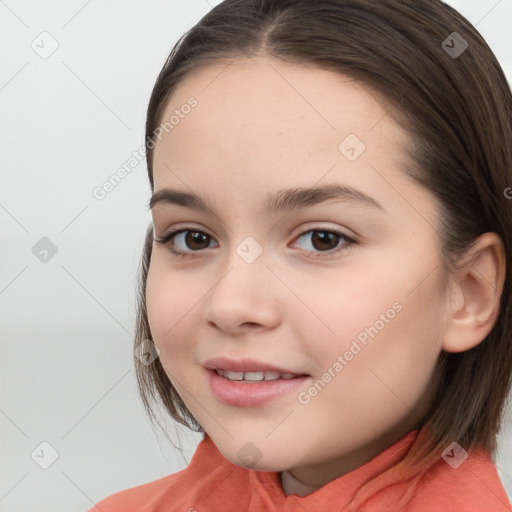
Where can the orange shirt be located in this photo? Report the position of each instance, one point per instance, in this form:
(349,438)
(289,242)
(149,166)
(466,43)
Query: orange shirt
(210,483)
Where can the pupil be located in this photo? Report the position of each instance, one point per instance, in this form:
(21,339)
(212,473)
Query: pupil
(323,237)
(194,237)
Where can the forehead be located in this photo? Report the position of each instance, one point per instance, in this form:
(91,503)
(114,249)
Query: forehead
(261,124)
(242,90)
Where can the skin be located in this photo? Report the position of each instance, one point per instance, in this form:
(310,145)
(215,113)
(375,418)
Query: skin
(262,125)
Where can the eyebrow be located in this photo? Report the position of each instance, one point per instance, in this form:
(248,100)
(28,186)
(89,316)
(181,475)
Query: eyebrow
(280,201)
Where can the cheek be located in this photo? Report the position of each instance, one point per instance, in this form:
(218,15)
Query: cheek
(340,310)
(402,344)
(375,323)
(170,308)
(381,379)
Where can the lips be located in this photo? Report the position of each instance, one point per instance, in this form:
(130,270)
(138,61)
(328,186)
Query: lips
(252,393)
(250,383)
(250,366)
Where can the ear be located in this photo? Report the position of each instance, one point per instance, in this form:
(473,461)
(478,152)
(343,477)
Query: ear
(475,295)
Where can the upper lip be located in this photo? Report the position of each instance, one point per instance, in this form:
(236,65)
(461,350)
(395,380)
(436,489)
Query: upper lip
(245,365)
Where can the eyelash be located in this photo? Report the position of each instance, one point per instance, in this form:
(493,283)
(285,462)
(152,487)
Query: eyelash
(166,241)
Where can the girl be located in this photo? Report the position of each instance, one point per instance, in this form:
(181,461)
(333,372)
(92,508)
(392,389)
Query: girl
(325,289)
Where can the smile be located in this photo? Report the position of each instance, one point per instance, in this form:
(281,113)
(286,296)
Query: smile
(254,376)
(252,389)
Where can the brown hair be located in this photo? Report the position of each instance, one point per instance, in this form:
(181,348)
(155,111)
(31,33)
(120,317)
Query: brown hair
(458,112)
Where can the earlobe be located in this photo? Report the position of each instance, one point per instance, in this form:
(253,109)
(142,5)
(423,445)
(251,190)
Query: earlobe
(478,288)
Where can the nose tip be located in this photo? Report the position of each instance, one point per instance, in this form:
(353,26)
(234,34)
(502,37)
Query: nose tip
(238,301)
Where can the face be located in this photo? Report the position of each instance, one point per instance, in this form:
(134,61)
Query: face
(341,292)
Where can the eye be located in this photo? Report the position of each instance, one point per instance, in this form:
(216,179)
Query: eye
(326,241)
(192,238)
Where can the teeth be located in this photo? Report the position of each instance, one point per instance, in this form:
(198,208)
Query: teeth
(254,376)
(271,375)
(234,375)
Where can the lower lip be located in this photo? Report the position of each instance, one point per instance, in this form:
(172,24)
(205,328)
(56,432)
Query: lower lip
(251,394)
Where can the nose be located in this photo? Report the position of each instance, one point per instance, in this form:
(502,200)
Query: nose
(244,296)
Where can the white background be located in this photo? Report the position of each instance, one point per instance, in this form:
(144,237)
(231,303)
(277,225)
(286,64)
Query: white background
(68,123)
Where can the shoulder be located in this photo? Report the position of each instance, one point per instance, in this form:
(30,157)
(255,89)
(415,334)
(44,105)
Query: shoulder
(471,486)
(207,466)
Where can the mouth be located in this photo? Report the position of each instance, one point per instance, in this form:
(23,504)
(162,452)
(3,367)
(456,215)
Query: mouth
(250,382)
(250,370)
(256,376)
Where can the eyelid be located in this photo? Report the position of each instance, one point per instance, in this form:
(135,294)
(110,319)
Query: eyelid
(324,226)
(308,226)
(349,241)
(175,229)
